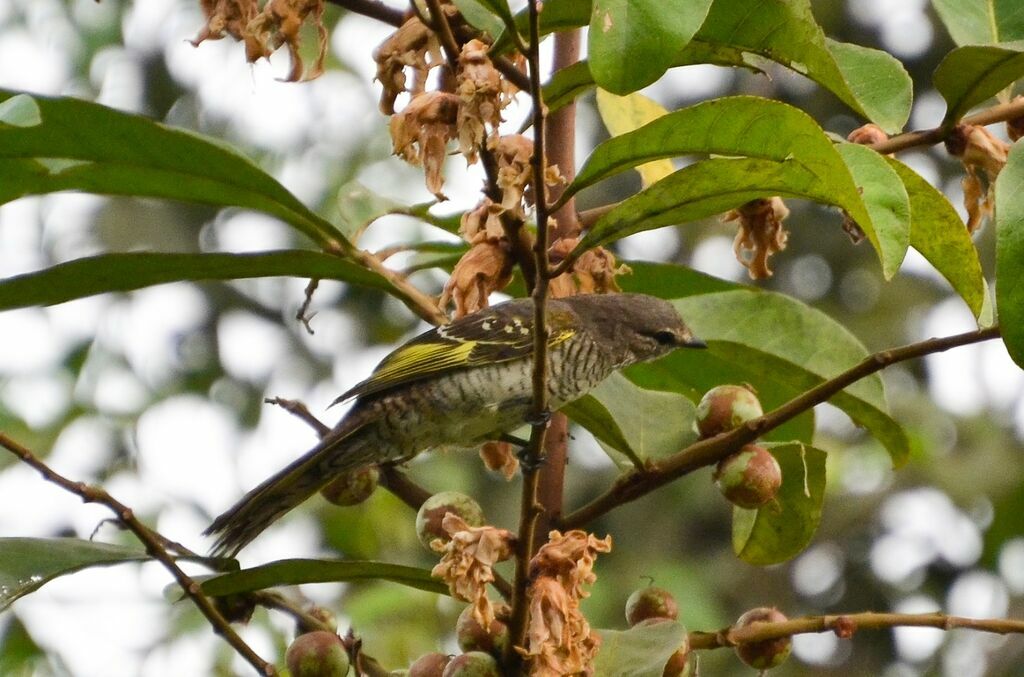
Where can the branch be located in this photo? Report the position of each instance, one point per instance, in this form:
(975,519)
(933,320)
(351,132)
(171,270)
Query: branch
(708,452)
(413,298)
(373,9)
(845,625)
(532,455)
(154,543)
(929,137)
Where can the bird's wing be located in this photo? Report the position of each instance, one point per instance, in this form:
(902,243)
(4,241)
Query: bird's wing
(500,334)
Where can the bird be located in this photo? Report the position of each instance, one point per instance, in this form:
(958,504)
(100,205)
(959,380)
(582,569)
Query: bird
(461,384)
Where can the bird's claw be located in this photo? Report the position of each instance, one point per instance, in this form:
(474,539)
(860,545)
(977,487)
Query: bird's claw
(530,462)
(538,418)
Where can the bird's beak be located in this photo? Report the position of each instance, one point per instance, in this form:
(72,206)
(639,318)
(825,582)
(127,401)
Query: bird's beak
(694,343)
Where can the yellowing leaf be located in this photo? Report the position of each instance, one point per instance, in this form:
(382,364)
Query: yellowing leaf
(622,114)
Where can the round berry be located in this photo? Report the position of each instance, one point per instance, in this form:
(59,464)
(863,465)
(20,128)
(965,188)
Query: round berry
(749,478)
(650,602)
(317,654)
(473,664)
(429,665)
(472,636)
(769,653)
(352,488)
(433,510)
(726,407)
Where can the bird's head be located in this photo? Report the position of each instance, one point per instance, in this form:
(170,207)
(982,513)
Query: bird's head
(644,327)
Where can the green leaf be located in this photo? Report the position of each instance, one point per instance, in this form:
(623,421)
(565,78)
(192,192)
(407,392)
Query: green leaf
(299,571)
(739,33)
(641,424)
(1010,253)
(137,156)
(477,14)
(20,110)
(795,159)
(972,74)
(568,83)
(622,114)
(638,652)
(782,529)
(631,43)
(28,563)
(937,231)
(982,21)
(714,186)
(884,196)
(125,272)
(777,337)
(869,81)
(19,653)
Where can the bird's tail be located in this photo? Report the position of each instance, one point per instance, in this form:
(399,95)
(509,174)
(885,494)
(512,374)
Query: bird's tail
(262,506)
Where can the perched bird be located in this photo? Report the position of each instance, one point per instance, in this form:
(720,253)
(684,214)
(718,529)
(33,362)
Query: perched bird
(461,384)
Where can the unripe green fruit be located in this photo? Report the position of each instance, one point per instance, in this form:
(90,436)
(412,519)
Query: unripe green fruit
(650,602)
(749,478)
(726,407)
(771,652)
(433,510)
(472,636)
(429,665)
(473,664)
(352,488)
(317,654)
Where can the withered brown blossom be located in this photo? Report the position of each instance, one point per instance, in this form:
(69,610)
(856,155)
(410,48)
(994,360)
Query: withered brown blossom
(515,175)
(559,638)
(467,562)
(983,157)
(486,267)
(500,457)
(412,46)
(760,234)
(483,93)
(225,16)
(594,272)
(263,32)
(1015,126)
(421,132)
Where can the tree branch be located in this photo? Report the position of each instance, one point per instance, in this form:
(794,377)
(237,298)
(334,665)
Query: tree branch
(373,9)
(845,625)
(708,452)
(154,543)
(532,455)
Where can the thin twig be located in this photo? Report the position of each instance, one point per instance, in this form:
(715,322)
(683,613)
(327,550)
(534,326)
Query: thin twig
(307,301)
(444,33)
(300,410)
(708,452)
(532,455)
(413,298)
(373,9)
(845,625)
(154,547)
(929,137)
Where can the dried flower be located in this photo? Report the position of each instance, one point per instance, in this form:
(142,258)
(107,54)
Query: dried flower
(485,268)
(225,16)
(983,157)
(559,638)
(760,234)
(593,272)
(515,174)
(1015,126)
(420,134)
(468,560)
(414,46)
(498,456)
(479,86)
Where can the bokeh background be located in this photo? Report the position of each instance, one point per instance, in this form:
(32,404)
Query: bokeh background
(157,394)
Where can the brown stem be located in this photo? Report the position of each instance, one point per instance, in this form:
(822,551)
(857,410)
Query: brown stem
(707,452)
(413,298)
(928,137)
(154,543)
(373,9)
(845,625)
(532,455)
(444,34)
(561,137)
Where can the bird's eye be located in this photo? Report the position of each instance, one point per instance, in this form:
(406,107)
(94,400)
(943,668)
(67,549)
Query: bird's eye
(664,338)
